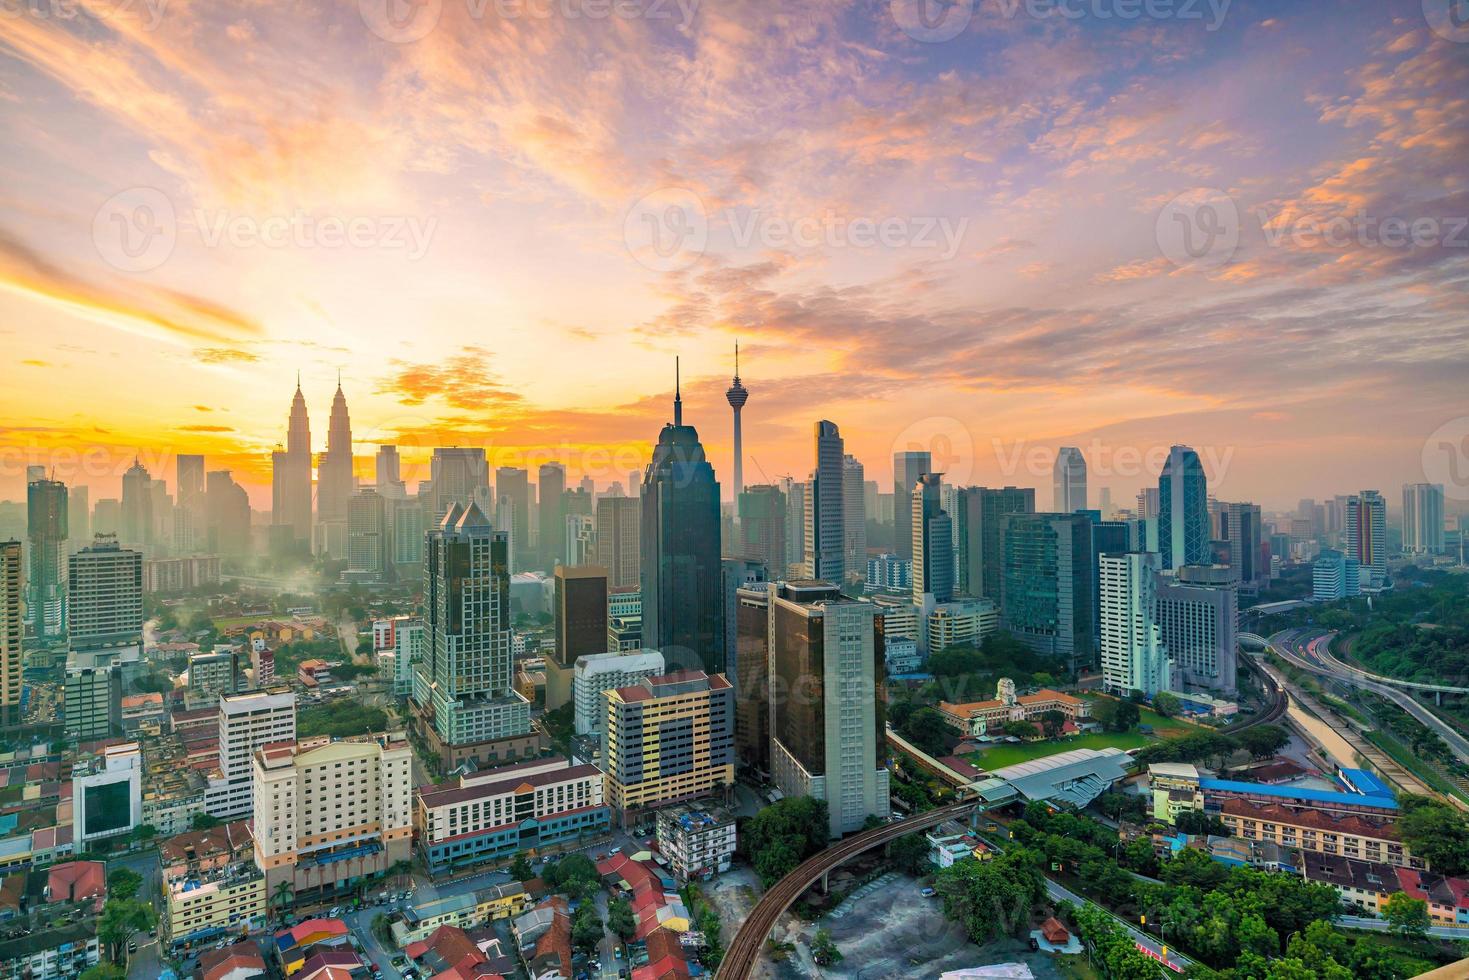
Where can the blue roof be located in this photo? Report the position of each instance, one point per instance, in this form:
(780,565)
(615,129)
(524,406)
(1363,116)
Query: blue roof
(1298,793)
(1367,783)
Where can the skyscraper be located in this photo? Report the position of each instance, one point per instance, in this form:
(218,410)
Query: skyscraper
(367,536)
(78,517)
(683,611)
(826,526)
(227,520)
(980,546)
(456,473)
(907,468)
(550,485)
(581,627)
(1183,510)
(1239,525)
(933,541)
(737,395)
(795,494)
(12,631)
(513,484)
(619,541)
(105,586)
(387,474)
(830,743)
(334,476)
(1069,481)
(46,533)
(762,510)
(1046,585)
(1198,614)
(463,686)
(1366,535)
(137,506)
(1423,518)
(1133,655)
(290,480)
(854,517)
(189,482)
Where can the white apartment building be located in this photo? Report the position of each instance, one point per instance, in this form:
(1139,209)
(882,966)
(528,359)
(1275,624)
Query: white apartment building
(1134,657)
(246,722)
(696,841)
(961,621)
(329,811)
(603,672)
(410,643)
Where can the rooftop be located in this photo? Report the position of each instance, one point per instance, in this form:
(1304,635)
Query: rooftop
(1298,793)
(1347,823)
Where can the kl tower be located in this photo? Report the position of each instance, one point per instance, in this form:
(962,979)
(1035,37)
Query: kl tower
(737,396)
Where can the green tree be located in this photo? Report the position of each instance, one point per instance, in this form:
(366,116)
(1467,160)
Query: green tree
(121,920)
(1408,916)
(1053,722)
(824,949)
(571,873)
(990,898)
(1126,717)
(203,821)
(282,895)
(1437,833)
(103,971)
(586,927)
(1263,741)
(620,919)
(1019,729)
(520,869)
(144,831)
(1167,704)
(909,854)
(124,883)
(928,731)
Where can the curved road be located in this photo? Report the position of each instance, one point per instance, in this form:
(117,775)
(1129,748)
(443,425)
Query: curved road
(745,948)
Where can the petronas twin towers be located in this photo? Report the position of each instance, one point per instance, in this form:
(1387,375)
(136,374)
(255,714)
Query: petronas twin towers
(296,530)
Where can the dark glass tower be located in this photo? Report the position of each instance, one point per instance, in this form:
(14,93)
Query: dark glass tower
(1183,510)
(683,607)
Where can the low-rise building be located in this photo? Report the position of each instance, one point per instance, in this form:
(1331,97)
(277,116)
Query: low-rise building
(1365,884)
(963,621)
(463,911)
(50,954)
(497,813)
(1350,835)
(206,905)
(697,841)
(976,718)
(1447,898)
(947,850)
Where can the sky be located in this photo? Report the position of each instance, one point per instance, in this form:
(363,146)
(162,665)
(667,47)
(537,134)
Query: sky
(985,228)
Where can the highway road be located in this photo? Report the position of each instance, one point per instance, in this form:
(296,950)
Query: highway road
(1312,651)
(1381,925)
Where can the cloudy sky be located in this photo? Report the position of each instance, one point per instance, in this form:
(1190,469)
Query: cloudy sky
(987,228)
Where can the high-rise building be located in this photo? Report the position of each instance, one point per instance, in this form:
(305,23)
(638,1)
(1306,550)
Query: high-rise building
(189,482)
(512,485)
(980,545)
(737,396)
(387,474)
(12,631)
(550,486)
(795,494)
(137,506)
(227,515)
(107,516)
(78,517)
(1046,588)
(1423,518)
(825,522)
(1134,657)
(827,720)
(335,482)
(326,813)
(1183,510)
(1240,526)
(752,677)
(247,722)
(290,480)
(1198,614)
(463,688)
(1366,535)
(1069,481)
(683,615)
(105,587)
(581,626)
(669,738)
(367,536)
(406,523)
(907,468)
(92,700)
(601,672)
(619,541)
(762,511)
(46,534)
(738,573)
(933,542)
(854,517)
(581,540)
(1334,576)
(457,473)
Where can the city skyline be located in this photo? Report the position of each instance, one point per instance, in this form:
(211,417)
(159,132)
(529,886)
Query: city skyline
(1054,312)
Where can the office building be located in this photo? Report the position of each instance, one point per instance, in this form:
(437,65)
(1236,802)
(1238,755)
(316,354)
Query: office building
(463,688)
(827,717)
(889,573)
(738,573)
(1046,588)
(290,481)
(12,632)
(619,541)
(737,396)
(1134,657)
(550,485)
(137,506)
(107,794)
(854,518)
(212,674)
(387,472)
(1240,526)
(367,537)
(683,615)
(752,678)
(1423,518)
(458,475)
(762,527)
(580,614)
(601,672)
(1334,576)
(46,535)
(410,641)
(933,542)
(1198,617)
(1183,510)
(105,589)
(980,526)
(1069,481)
(1366,536)
(907,468)
(577,546)
(330,813)
(78,516)
(669,738)
(512,492)
(335,482)
(795,504)
(825,523)
(227,516)
(92,700)
(962,621)
(247,722)
(495,814)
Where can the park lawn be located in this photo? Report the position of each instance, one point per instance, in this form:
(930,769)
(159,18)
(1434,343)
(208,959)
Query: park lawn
(1008,754)
(1162,727)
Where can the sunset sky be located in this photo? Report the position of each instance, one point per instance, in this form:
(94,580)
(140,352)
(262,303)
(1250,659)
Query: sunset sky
(463,184)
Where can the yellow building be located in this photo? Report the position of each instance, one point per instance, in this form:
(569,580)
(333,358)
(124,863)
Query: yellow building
(1176,789)
(976,718)
(466,911)
(202,907)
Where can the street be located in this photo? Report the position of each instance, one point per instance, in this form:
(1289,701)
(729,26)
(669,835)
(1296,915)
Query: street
(1175,961)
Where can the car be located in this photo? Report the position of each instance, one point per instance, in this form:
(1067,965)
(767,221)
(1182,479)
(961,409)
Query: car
(336,911)
(928,893)
(615,850)
(132,948)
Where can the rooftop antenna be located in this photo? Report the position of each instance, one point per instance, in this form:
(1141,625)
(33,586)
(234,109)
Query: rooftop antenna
(677,394)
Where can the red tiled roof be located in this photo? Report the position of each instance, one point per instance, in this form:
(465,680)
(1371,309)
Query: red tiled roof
(1055,932)
(216,963)
(1348,823)
(77,881)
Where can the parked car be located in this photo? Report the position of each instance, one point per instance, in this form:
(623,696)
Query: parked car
(928,893)
(336,911)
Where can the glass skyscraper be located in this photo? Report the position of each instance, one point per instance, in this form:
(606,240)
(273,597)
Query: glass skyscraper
(1183,510)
